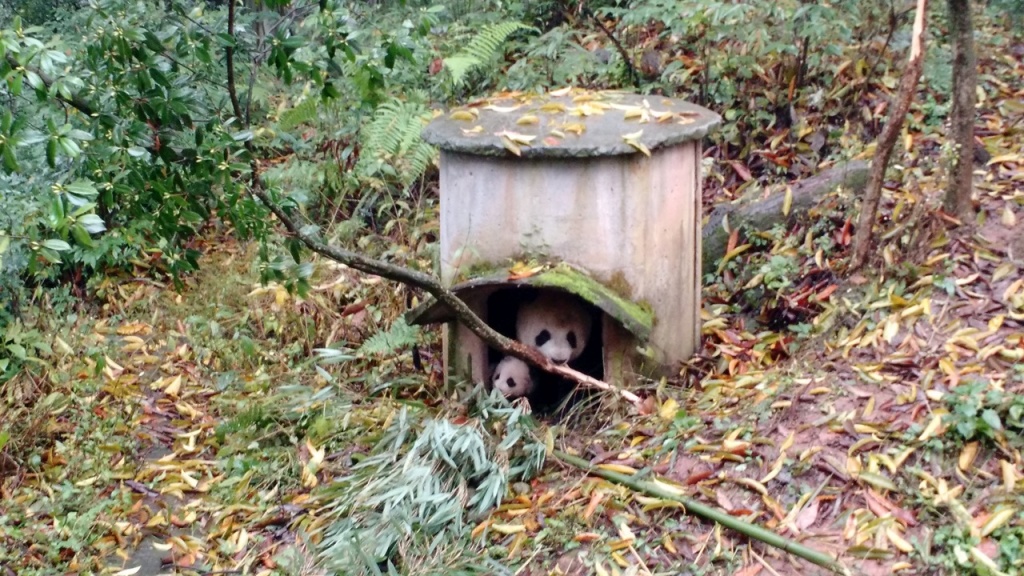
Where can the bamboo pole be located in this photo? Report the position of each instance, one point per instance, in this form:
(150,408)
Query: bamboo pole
(706,512)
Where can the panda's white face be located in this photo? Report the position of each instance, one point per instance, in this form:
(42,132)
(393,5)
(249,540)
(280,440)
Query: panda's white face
(512,377)
(556,323)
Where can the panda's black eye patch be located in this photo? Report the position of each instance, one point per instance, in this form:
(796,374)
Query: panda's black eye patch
(510,382)
(572,339)
(541,338)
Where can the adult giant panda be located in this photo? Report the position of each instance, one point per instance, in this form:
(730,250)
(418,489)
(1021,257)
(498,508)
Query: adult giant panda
(556,323)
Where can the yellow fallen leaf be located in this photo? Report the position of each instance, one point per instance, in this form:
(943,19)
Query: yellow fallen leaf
(128,571)
(503,109)
(754,282)
(511,146)
(1012,157)
(668,409)
(732,254)
(898,541)
(996,322)
(174,387)
(932,429)
(787,201)
(666,541)
(877,481)
(634,112)
(517,137)
(753,485)
(466,115)
(576,128)
(63,346)
(620,560)
(508,528)
(625,533)
(134,328)
(479,529)
(640,146)
(620,468)
(776,468)
(1009,474)
(788,442)
(668,487)
(1003,270)
(983,559)
(1008,218)
(997,520)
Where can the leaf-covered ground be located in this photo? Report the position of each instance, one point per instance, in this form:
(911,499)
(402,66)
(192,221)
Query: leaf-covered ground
(877,417)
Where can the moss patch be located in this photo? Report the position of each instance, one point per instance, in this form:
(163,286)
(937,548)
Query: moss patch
(636,317)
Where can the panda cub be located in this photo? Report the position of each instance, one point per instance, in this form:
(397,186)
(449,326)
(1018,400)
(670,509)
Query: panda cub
(556,323)
(512,377)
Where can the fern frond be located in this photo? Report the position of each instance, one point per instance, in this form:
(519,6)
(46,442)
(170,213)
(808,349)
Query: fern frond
(399,336)
(392,140)
(305,111)
(481,48)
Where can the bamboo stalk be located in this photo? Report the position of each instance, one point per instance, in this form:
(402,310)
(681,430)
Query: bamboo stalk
(706,512)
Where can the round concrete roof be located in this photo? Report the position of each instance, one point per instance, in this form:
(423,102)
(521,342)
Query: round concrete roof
(569,123)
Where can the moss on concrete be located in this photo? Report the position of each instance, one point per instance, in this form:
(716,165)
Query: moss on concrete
(636,317)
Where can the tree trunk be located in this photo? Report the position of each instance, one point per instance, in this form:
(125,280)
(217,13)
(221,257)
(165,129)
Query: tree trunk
(760,214)
(887,140)
(961,114)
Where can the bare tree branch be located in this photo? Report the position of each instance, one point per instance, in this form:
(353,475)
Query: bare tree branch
(887,140)
(433,287)
(230,57)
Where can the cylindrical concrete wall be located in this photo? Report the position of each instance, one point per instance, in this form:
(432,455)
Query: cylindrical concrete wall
(630,220)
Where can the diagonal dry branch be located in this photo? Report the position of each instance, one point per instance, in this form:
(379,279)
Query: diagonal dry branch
(434,287)
(405,275)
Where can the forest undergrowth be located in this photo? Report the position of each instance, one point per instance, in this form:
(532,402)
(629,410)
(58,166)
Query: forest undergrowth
(232,426)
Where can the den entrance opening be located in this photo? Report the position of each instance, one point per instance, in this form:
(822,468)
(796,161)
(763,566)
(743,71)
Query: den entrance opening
(525,313)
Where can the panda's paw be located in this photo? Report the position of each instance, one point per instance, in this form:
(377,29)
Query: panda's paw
(523,403)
